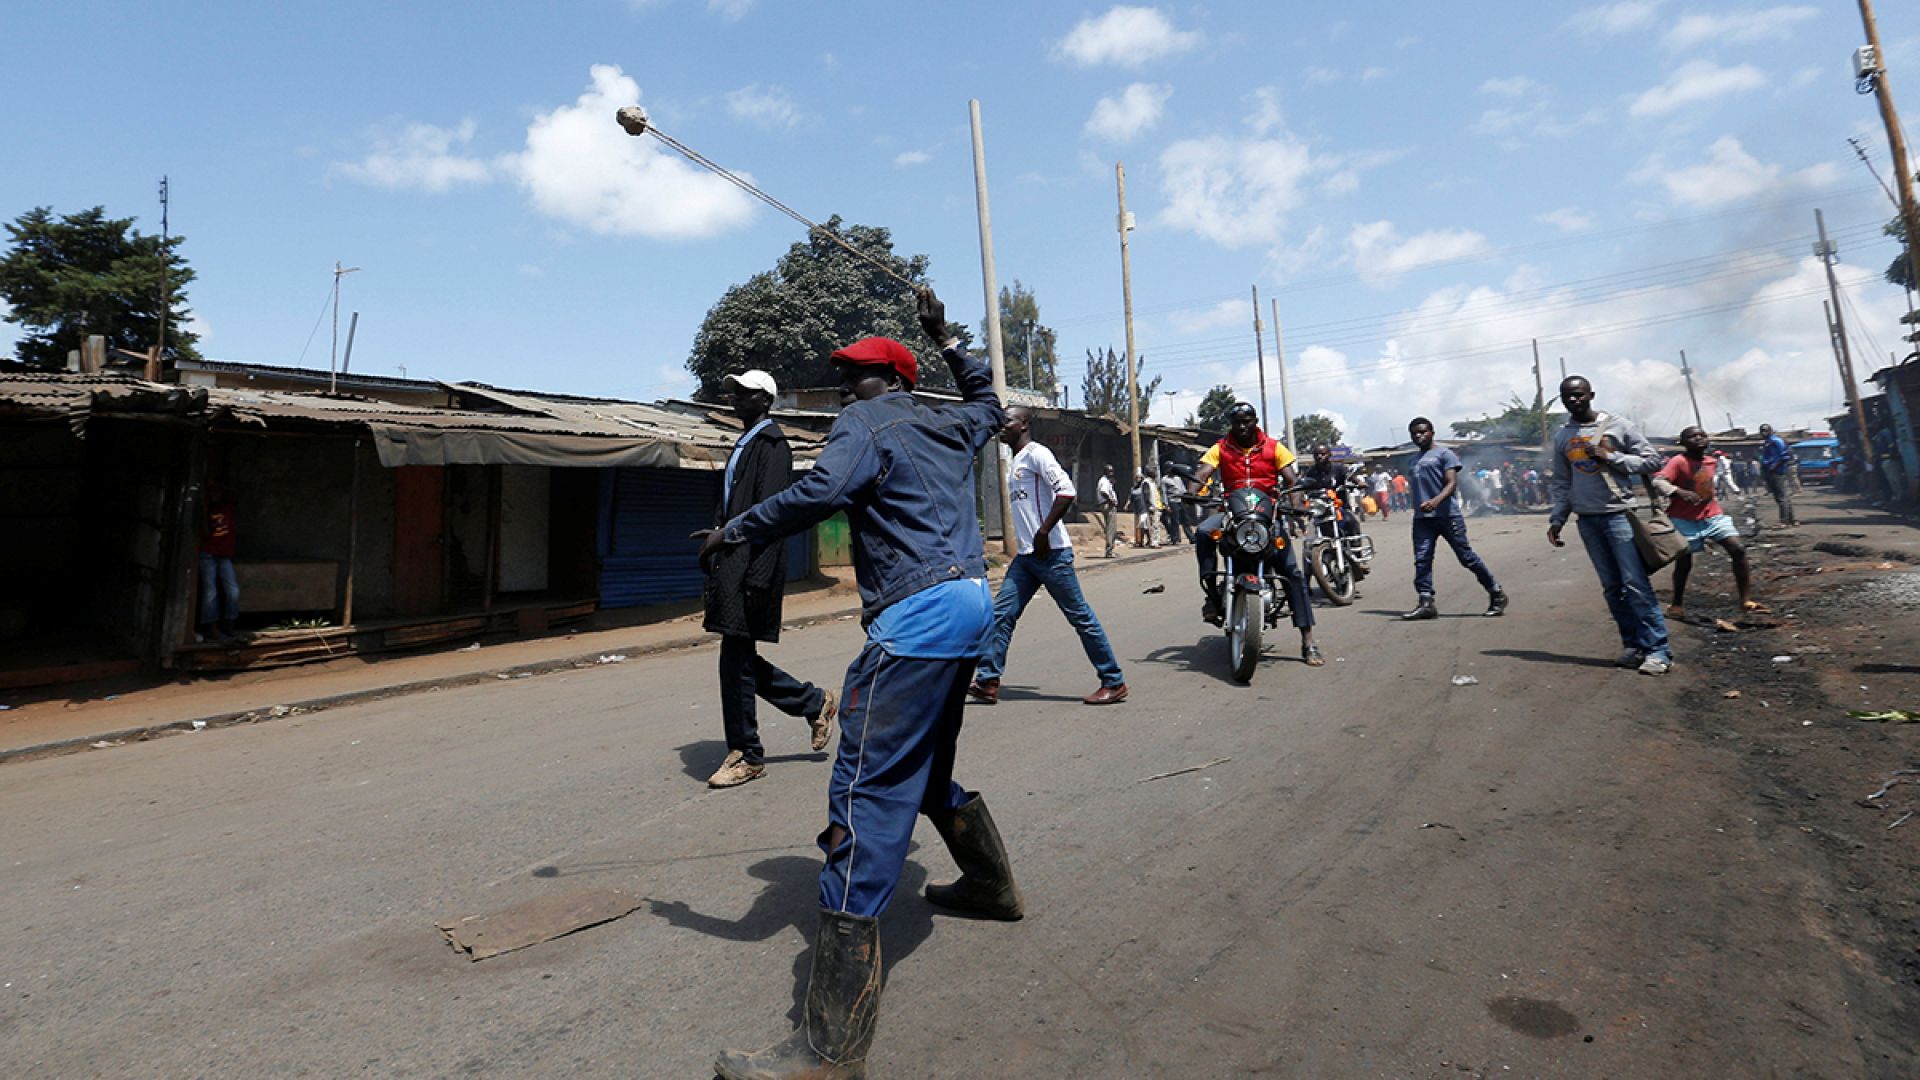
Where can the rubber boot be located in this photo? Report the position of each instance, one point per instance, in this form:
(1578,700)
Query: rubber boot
(986,887)
(843,998)
(1422,611)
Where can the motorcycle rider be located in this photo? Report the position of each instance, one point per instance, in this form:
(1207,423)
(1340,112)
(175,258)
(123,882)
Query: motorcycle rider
(1333,476)
(1248,456)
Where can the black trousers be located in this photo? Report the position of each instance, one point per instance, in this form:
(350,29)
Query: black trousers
(745,676)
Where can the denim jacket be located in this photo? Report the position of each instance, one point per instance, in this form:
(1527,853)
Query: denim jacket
(903,471)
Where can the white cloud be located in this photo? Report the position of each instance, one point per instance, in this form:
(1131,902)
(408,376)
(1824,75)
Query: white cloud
(1321,76)
(912,157)
(1266,117)
(1567,219)
(1694,82)
(418,157)
(1729,175)
(579,167)
(730,10)
(1608,20)
(1234,192)
(1513,86)
(1380,256)
(1237,312)
(764,107)
(1738,28)
(1126,37)
(1125,117)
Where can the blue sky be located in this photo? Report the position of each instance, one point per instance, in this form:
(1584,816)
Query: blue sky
(1424,187)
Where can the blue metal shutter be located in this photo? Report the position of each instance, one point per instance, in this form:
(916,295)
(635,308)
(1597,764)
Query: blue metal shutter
(645,518)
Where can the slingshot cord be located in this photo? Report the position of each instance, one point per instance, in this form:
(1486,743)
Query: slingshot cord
(705,162)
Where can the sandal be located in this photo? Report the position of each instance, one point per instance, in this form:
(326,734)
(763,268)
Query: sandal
(1311,655)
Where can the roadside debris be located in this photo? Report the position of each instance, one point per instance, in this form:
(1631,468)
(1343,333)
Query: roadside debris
(475,647)
(1902,820)
(107,744)
(1155,586)
(1178,772)
(1886,716)
(1898,776)
(1465,680)
(541,919)
(1725,627)
(1783,659)
(612,658)
(199,725)
(1731,694)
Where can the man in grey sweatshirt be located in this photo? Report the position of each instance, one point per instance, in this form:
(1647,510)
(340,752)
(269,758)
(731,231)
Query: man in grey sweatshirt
(1596,457)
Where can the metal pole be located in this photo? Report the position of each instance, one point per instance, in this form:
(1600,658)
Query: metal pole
(1896,143)
(1280,358)
(1031,385)
(1126,295)
(353,530)
(333,350)
(1540,396)
(1688,373)
(166,278)
(1827,252)
(353,325)
(998,358)
(1260,362)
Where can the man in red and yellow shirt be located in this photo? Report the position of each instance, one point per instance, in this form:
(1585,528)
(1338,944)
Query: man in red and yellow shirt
(1249,457)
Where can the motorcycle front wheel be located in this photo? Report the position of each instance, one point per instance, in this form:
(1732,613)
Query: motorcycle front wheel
(1334,576)
(1243,635)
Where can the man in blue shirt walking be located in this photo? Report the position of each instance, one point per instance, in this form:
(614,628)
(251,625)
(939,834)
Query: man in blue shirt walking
(1776,470)
(902,471)
(1437,517)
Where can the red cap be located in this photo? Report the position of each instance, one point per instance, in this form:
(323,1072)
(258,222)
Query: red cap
(884,353)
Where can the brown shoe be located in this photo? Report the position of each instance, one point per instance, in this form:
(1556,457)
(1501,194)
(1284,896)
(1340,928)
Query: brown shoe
(736,770)
(1106,695)
(822,721)
(985,691)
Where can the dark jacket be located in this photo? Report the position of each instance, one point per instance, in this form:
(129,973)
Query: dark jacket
(745,583)
(903,472)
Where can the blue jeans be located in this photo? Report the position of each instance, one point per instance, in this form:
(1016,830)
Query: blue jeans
(899,723)
(1427,533)
(219,590)
(1623,580)
(1052,571)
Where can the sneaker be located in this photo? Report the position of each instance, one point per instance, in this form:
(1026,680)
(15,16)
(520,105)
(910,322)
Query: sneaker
(1629,658)
(736,770)
(1656,665)
(822,721)
(1496,603)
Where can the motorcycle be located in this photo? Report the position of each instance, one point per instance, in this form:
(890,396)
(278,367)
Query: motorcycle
(1254,595)
(1336,561)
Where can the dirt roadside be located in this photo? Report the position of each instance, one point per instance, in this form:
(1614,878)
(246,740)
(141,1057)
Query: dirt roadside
(1839,634)
(39,722)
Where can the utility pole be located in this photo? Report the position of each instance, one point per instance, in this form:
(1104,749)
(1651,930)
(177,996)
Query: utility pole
(333,356)
(1540,395)
(1827,252)
(1126,295)
(1007,542)
(1687,372)
(1031,385)
(1876,80)
(1260,362)
(1280,358)
(166,278)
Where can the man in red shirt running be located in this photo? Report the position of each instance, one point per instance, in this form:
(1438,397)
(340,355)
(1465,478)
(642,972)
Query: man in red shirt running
(1688,477)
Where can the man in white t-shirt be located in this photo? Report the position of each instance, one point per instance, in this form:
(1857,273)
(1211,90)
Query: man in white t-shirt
(1041,493)
(1109,507)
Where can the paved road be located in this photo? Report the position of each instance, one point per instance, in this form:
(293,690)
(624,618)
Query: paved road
(1538,875)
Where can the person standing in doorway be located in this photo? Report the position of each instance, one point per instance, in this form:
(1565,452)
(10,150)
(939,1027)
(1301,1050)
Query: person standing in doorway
(1776,471)
(1437,517)
(903,471)
(219,587)
(1041,494)
(1595,457)
(1109,502)
(745,588)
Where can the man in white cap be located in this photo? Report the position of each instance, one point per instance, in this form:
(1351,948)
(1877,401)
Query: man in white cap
(745,585)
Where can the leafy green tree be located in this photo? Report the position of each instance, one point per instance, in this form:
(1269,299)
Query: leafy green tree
(1212,414)
(787,321)
(1313,429)
(1518,421)
(87,273)
(1019,311)
(1103,390)
(1899,271)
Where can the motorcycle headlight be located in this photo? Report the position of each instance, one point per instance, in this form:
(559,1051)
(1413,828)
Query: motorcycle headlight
(1251,536)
